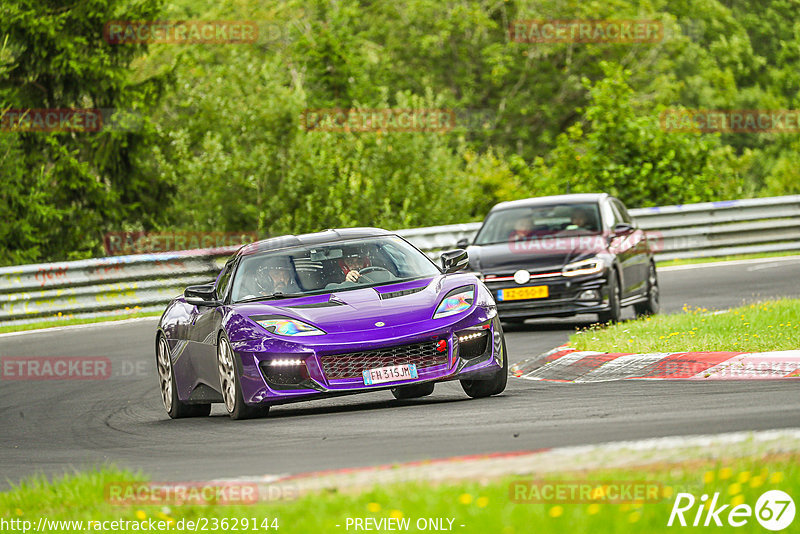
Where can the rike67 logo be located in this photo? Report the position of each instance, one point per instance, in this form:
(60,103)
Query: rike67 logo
(774,510)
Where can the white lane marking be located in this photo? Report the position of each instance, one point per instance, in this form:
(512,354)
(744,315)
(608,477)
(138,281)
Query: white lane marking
(770,265)
(754,365)
(626,366)
(726,263)
(56,329)
(551,369)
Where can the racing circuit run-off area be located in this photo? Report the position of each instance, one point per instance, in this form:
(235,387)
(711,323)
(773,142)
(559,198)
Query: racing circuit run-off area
(410,266)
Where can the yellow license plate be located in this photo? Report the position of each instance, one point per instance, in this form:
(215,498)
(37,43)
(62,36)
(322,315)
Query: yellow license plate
(522,293)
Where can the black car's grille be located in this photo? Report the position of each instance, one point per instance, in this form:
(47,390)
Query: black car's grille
(351,364)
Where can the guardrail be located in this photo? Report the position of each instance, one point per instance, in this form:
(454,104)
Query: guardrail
(146,282)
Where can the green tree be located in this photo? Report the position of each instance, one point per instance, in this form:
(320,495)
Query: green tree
(620,148)
(56,58)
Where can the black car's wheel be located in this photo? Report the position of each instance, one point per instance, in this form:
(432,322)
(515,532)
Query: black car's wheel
(614,313)
(413,392)
(477,388)
(231,386)
(176,409)
(652,305)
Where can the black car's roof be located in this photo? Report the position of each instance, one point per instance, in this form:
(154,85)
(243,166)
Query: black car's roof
(555,199)
(317,238)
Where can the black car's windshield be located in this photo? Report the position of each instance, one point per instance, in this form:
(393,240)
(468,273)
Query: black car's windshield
(344,265)
(541,221)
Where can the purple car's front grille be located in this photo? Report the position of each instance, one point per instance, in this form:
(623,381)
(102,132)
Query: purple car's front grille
(351,364)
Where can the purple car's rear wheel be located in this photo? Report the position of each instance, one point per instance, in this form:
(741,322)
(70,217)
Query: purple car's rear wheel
(169,395)
(231,385)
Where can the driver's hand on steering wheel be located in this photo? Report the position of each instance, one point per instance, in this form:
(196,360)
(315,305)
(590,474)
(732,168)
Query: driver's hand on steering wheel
(352,276)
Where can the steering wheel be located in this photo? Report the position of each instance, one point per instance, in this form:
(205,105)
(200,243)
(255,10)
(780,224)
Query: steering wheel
(367,270)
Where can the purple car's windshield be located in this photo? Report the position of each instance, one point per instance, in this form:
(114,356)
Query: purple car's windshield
(533,222)
(309,270)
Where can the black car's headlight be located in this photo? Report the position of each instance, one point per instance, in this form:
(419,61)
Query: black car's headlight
(578,268)
(456,301)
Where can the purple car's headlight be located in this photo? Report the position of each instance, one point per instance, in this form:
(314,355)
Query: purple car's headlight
(457,301)
(284,326)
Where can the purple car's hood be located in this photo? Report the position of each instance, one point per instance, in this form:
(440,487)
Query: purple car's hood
(360,309)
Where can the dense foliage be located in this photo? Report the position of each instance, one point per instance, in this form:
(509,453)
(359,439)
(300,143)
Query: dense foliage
(215,137)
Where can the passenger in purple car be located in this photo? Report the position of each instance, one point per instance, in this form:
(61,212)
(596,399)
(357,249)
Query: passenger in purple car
(352,264)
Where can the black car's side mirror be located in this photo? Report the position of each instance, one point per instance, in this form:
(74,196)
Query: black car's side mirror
(201,295)
(623,229)
(462,243)
(454,260)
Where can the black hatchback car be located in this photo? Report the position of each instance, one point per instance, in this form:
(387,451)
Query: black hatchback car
(563,255)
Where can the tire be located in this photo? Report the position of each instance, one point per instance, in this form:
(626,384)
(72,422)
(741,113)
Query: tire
(652,305)
(614,314)
(229,369)
(175,408)
(478,388)
(414,391)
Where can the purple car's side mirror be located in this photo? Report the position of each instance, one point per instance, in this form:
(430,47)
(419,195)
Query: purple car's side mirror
(201,295)
(454,260)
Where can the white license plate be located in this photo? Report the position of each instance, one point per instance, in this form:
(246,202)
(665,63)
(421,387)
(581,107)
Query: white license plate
(389,374)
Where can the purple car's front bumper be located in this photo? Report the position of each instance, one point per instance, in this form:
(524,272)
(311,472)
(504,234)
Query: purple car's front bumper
(316,368)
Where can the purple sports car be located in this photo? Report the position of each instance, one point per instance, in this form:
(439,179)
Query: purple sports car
(332,313)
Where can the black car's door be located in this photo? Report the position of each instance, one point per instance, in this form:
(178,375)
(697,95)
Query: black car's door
(632,250)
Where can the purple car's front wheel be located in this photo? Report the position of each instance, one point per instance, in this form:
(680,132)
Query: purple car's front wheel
(230,384)
(227,374)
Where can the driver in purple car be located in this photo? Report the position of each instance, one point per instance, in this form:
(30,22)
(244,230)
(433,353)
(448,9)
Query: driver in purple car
(275,275)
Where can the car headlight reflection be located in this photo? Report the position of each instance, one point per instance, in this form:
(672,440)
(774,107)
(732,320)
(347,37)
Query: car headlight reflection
(578,268)
(284,326)
(456,301)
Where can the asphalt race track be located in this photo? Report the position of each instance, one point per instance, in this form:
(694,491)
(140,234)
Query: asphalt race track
(58,426)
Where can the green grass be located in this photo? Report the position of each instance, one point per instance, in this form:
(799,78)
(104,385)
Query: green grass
(691,261)
(762,326)
(482,508)
(72,321)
